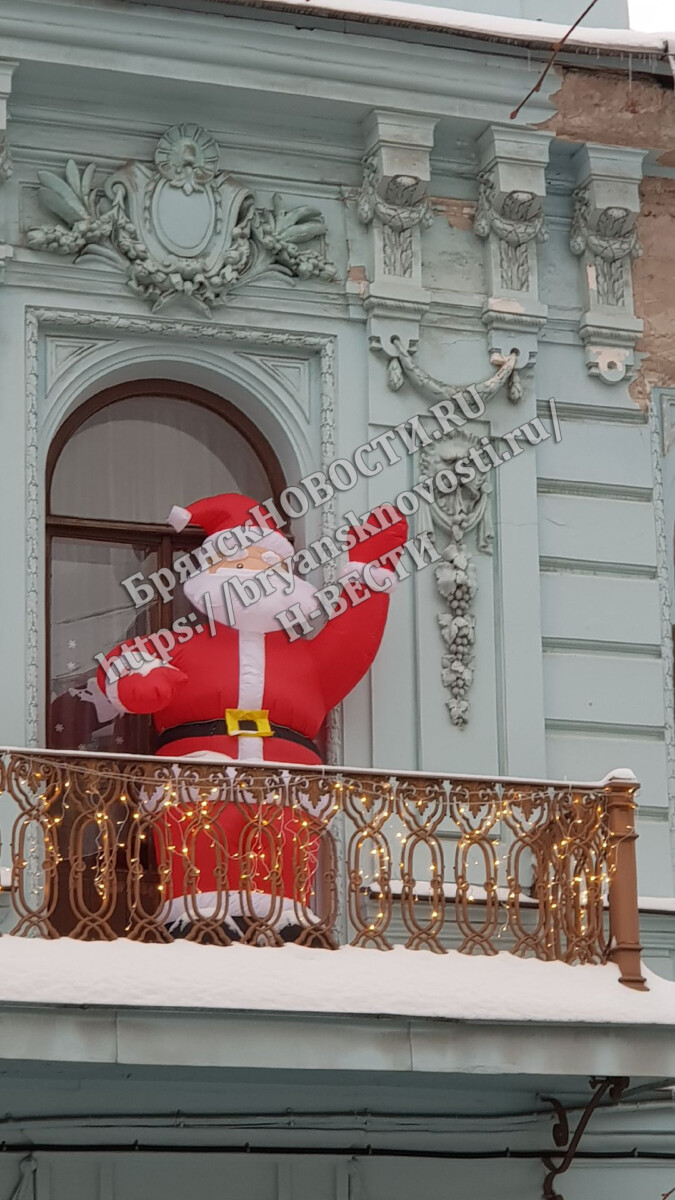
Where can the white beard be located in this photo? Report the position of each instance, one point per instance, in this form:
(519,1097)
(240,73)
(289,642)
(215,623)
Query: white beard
(261,615)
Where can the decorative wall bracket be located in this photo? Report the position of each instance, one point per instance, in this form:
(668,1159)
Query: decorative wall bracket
(7,69)
(604,236)
(456,515)
(394,204)
(510,219)
(612,1088)
(180,228)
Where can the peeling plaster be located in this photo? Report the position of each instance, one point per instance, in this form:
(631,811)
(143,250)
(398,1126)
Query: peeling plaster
(505,304)
(653,276)
(609,108)
(458,213)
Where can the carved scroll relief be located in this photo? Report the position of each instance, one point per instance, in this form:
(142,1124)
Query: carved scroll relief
(604,237)
(393,204)
(7,69)
(510,220)
(401,204)
(516,223)
(179,227)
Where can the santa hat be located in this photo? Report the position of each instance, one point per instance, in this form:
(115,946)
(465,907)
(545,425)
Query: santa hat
(231,512)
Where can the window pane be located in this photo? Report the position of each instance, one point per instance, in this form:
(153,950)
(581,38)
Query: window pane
(136,458)
(92,613)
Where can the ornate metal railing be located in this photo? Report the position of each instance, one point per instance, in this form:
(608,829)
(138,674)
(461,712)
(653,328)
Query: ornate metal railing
(146,848)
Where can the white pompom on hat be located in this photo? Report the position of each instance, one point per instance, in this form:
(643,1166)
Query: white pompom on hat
(228,513)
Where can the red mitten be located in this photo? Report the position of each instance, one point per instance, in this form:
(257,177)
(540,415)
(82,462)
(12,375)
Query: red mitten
(380,542)
(149,693)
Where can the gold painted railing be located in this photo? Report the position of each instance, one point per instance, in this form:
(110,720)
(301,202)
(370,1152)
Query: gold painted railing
(149,849)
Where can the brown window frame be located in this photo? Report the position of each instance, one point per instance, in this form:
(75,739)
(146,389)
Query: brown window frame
(166,543)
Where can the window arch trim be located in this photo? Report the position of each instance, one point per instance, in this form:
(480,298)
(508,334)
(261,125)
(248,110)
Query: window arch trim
(171,388)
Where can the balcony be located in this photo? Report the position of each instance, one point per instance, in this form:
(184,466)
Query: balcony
(102,847)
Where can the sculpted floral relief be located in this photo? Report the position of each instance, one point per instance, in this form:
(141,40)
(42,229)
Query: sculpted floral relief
(455,515)
(516,221)
(401,204)
(610,237)
(180,227)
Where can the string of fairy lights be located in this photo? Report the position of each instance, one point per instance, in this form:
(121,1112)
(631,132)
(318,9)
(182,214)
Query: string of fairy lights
(573,848)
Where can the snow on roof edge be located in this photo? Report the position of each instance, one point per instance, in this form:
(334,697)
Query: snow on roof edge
(431,17)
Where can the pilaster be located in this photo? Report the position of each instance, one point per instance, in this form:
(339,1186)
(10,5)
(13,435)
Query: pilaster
(510,219)
(394,204)
(7,69)
(604,236)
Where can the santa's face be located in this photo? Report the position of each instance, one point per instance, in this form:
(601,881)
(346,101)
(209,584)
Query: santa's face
(228,602)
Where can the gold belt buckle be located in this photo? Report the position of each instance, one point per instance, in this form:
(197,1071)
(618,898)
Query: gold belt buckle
(242,722)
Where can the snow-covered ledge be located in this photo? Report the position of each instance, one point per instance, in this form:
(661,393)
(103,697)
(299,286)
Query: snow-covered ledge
(294,979)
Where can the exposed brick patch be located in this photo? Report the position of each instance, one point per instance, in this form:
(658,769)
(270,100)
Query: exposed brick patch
(458,213)
(357,275)
(603,107)
(653,276)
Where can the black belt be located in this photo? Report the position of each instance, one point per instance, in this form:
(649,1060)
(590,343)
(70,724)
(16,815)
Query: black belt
(219,728)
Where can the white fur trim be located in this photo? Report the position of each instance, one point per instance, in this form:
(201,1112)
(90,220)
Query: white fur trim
(112,688)
(208,756)
(258,903)
(251,689)
(273,540)
(353,569)
(178,518)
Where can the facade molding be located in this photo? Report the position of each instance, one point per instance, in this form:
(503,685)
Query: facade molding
(664,545)
(394,206)
(179,228)
(510,220)
(603,235)
(7,69)
(112,328)
(426,79)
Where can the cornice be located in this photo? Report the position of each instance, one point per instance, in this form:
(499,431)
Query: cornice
(462,312)
(359,70)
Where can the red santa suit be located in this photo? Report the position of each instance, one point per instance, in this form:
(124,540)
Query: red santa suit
(254,668)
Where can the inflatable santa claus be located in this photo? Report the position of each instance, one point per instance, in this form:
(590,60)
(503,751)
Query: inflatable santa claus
(244,689)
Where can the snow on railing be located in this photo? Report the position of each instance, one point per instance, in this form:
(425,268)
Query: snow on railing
(103,846)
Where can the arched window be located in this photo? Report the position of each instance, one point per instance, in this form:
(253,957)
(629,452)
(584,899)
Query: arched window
(114,470)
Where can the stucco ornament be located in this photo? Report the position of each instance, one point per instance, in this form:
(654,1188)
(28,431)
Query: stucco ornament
(604,237)
(610,236)
(188,157)
(456,515)
(516,220)
(5,159)
(179,228)
(401,204)
(402,366)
